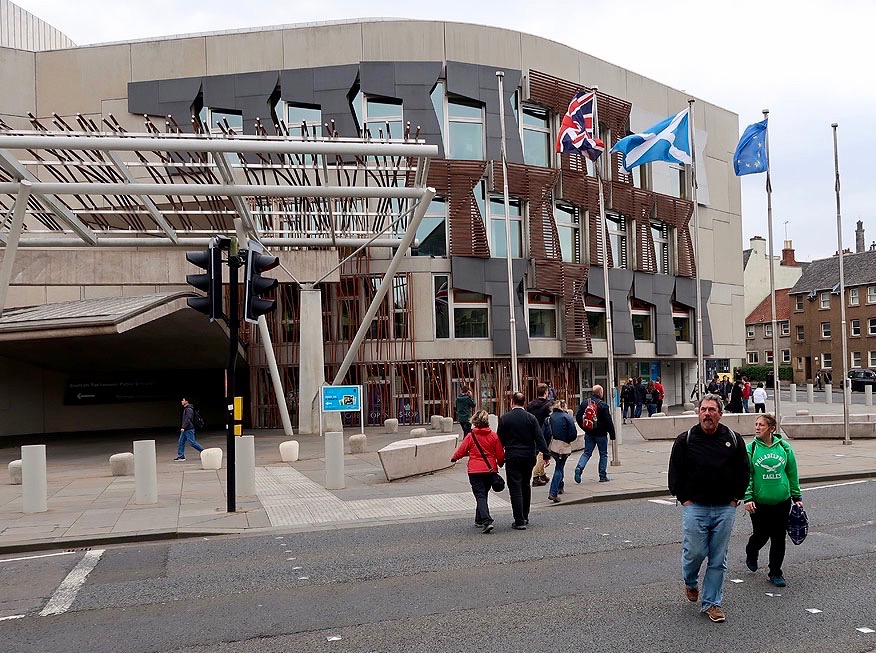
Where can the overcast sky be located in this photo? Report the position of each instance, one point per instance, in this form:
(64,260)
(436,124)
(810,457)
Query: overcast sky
(809,63)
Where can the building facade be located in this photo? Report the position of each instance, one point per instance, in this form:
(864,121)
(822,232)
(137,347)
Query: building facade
(446,322)
(756,270)
(759,331)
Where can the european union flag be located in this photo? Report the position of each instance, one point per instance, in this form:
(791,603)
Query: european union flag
(751,153)
(668,140)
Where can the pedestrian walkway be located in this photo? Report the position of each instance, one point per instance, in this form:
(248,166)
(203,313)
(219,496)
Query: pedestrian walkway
(87,505)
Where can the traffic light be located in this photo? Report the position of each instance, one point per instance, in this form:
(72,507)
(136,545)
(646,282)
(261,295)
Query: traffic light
(210,282)
(257,285)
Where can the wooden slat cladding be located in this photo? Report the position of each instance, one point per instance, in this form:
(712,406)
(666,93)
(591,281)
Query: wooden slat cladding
(577,328)
(677,213)
(455,180)
(536,186)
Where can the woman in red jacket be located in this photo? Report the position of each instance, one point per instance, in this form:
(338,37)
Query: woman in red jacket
(480,471)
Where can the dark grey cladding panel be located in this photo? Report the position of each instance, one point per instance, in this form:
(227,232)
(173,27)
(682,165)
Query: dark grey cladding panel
(297,85)
(462,79)
(596,282)
(663,286)
(175,90)
(219,92)
(416,73)
(328,88)
(261,84)
(333,78)
(643,286)
(706,291)
(415,99)
(686,291)
(619,283)
(377,78)
(165,97)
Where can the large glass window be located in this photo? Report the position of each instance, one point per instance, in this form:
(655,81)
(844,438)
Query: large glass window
(681,321)
(441,285)
(568,219)
(660,234)
(218,121)
(641,314)
(596,317)
(493,208)
(542,316)
(537,142)
(465,126)
(617,236)
(303,120)
(383,118)
(471,317)
(432,232)
(400,307)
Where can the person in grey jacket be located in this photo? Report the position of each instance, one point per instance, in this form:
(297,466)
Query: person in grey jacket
(187,431)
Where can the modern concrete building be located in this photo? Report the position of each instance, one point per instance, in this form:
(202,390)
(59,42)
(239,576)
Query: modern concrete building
(81,325)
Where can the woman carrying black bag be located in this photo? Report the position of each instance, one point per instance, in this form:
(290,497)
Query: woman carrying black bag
(485,456)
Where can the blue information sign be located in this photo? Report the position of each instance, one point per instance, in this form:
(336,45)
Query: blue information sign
(341,398)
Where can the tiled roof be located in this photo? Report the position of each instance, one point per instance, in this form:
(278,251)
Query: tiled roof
(858,269)
(763,311)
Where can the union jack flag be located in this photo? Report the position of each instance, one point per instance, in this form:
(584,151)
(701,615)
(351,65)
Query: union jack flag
(576,131)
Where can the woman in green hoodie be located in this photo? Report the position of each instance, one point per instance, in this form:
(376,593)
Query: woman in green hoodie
(772,487)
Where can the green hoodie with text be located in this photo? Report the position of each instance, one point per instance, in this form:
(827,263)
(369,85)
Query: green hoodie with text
(773,476)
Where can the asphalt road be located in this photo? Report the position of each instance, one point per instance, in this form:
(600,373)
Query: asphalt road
(598,576)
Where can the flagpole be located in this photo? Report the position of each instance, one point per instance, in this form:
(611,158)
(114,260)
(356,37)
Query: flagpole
(777,385)
(609,332)
(696,227)
(842,293)
(515,374)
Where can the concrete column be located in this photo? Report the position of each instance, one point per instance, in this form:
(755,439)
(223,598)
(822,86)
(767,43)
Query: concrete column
(793,393)
(810,393)
(868,395)
(244,466)
(145,472)
(34,491)
(334,460)
(828,393)
(312,367)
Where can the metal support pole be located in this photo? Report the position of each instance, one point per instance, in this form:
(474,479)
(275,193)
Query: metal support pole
(697,259)
(234,264)
(12,242)
(842,369)
(777,383)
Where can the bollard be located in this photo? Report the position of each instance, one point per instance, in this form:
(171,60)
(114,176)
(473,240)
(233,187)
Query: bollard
(289,451)
(145,472)
(447,425)
(828,393)
(244,465)
(358,443)
(33,478)
(793,393)
(868,395)
(810,393)
(334,460)
(435,422)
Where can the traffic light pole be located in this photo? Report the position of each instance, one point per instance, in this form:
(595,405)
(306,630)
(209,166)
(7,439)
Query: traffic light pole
(233,328)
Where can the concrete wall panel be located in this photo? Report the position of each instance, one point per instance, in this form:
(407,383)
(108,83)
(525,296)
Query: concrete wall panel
(488,46)
(322,46)
(248,51)
(71,81)
(17,78)
(403,41)
(168,58)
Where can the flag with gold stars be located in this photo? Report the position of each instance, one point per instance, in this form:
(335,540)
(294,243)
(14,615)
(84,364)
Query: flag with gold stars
(751,153)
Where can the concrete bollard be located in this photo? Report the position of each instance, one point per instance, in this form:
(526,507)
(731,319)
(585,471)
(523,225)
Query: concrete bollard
(358,442)
(390,425)
(810,393)
(689,412)
(211,458)
(14,472)
(145,472)
(494,421)
(447,425)
(828,393)
(122,464)
(244,466)
(334,460)
(289,451)
(868,395)
(418,433)
(793,393)
(688,406)
(435,422)
(617,416)
(802,412)
(34,491)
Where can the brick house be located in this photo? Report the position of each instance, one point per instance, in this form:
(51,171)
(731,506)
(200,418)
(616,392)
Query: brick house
(759,334)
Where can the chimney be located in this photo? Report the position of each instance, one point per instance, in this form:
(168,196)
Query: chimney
(788,255)
(859,237)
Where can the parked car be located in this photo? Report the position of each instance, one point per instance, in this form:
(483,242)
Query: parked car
(862,378)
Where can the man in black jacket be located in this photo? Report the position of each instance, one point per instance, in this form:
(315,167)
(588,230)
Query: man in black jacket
(187,431)
(708,474)
(520,434)
(598,436)
(541,408)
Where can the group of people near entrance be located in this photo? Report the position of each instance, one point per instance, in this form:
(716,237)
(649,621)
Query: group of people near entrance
(712,471)
(637,394)
(738,394)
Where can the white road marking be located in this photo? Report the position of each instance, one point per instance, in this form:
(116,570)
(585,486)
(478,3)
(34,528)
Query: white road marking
(736,580)
(813,610)
(64,596)
(865,630)
(662,502)
(824,487)
(12,616)
(773,594)
(44,555)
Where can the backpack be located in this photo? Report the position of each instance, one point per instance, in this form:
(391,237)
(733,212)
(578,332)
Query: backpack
(588,420)
(197,420)
(547,430)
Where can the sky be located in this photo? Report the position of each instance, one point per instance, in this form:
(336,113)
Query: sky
(808,62)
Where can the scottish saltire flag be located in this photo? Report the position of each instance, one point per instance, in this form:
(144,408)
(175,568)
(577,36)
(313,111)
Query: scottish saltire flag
(668,140)
(751,153)
(576,134)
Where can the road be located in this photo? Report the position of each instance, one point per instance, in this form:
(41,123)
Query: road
(593,576)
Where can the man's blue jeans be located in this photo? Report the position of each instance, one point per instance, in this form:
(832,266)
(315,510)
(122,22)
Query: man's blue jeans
(589,443)
(187,436)
(559,470)
(706,534)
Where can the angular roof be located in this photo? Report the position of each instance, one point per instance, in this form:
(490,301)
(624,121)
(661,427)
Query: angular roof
(763,311)
(823,274)
(746,254)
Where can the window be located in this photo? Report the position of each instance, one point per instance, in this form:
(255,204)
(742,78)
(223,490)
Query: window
(471,315)
(871,326)
(752,358)
(767,330)
(871,294)
(800,333)
(855,327)
(641,314)
(537,142)
(786,356)
(660,234)
(568,219)
(595,316)
(383,117)
(400,311)
(616,225)
(303,121)
(432,232)
(825,329)
(542,316)
(465,129)
(825,300)
(749,331)
(769,355)
(798,303)
(785,328)
(856,359)
(854,300)
(440,284)
(827,360)
(495,216)
(872,357)
(217,121)
(681,321)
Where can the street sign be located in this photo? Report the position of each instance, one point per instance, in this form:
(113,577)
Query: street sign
(341,398)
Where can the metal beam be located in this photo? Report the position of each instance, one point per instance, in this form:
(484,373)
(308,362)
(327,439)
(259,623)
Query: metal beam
(157,215)
(54,241)
(239,205)
(12,242)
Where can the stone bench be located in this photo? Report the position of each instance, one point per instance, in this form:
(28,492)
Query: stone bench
(15,472)
(122,464)
(211,458)
(828,426)
(668,428)
(417,456)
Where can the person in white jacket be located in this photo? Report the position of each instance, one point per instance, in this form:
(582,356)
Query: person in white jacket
(760,396)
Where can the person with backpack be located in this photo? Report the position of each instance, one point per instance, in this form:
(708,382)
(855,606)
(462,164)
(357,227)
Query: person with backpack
(464,404)
(661,394)
(773,487)
(560,433)
(187,431)
(594,416)
(485,456)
